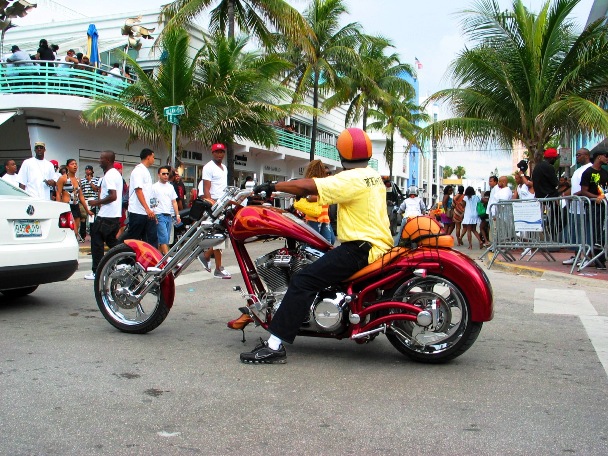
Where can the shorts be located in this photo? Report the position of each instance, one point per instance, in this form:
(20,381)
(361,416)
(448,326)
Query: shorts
(75,208)
(163,228)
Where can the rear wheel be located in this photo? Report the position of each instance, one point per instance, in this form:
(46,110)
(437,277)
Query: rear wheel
(117,277)
(451,332)
(19,292)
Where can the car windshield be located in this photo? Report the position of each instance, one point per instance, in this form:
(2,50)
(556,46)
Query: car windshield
(7,189)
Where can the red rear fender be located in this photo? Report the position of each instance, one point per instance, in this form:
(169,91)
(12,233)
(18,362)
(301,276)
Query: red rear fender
(447,263)
(462,271)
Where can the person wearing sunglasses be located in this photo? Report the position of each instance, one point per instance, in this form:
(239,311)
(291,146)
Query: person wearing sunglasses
(165,208)
(37,175)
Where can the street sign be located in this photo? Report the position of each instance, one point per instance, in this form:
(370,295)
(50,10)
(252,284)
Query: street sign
(173,119)
(174,110)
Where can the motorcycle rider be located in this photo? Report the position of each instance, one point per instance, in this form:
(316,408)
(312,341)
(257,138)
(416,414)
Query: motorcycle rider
(363,231)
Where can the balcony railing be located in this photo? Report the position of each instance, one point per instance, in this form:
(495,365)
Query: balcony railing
(300,142)
(63,79)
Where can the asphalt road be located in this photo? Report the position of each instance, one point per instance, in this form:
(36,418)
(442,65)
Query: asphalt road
(70,383)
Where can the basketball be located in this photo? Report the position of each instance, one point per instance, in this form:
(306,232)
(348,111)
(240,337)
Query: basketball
(418,227)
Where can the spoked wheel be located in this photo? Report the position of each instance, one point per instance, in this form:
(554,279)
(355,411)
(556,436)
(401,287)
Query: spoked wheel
(451,331)
(118,275)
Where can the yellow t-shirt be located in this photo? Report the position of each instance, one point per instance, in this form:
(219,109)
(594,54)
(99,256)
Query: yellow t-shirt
(361,197)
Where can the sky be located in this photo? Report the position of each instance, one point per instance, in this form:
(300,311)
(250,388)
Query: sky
(424,29)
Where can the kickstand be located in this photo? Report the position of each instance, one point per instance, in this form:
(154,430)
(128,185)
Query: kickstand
(243,331)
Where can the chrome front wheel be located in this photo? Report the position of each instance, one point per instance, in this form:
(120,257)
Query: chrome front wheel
(116,281)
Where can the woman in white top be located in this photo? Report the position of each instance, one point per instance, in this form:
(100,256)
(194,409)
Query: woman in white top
(525,187)
(470,218)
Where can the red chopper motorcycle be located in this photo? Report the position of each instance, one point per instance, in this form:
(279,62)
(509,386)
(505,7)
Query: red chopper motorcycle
(430,301)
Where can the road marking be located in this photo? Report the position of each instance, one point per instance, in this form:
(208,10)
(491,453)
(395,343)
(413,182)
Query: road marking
(570,302)
(597,329)
(575,302)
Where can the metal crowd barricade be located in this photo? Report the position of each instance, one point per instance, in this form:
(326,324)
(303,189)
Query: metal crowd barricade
(549,224)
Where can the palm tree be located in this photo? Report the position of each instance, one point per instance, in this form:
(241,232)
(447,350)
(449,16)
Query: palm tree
(400,117)
(251,16)
(139,108)
(460,171)
(242,92)
(447,172)
(526,78)
(373,83)
(321,57)
(227,94)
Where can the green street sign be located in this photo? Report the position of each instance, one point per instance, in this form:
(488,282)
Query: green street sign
(173,119)
(174,110)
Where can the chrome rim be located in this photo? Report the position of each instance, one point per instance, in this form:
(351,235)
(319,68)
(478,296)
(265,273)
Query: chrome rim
(119,273)
(451,315)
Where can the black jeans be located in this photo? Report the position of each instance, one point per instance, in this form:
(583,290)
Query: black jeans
(333,267)
(143,228)
(102,231)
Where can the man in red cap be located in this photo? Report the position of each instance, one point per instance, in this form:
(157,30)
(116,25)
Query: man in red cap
(211,186)
(544,176)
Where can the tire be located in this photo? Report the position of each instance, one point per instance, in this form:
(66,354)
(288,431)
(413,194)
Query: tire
(136,318)
(454,332)
(19,292)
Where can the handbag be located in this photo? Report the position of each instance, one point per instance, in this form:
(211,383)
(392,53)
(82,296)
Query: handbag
(307,208)
(481,209)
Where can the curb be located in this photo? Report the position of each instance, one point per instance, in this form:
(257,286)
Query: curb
(530,271)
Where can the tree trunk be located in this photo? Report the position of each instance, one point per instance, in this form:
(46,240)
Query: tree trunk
(230,162)
(390,145)
(230,144)
(315,104)
(364,118)
(231,19)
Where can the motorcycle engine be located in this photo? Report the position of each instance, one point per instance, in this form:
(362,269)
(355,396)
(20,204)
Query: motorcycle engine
(276,269)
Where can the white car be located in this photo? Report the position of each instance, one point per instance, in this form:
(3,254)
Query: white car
(37,242)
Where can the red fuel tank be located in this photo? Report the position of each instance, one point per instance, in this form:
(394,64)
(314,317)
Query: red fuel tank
(252,221)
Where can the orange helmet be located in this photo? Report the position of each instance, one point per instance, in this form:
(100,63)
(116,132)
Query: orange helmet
(354,145)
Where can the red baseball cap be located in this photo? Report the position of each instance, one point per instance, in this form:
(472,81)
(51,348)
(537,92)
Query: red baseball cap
(54,162)
(551,153)
(117,165)
(218,146)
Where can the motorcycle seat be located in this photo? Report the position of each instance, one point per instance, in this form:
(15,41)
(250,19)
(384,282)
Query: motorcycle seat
(444,240)
(385,259)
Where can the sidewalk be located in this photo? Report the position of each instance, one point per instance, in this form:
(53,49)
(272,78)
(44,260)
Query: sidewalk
(537,266)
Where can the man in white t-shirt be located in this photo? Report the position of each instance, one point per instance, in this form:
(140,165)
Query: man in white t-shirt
(166,207)
(115,71)
(11,173)
(583,159)
(110,205)
(37,175)
(212,186)
(142,219)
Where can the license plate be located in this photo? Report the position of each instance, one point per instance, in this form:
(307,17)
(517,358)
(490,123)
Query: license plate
(28,228)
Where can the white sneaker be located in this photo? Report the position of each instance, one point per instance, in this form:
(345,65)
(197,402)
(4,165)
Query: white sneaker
(90,276)
(569,261)
(222,274)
